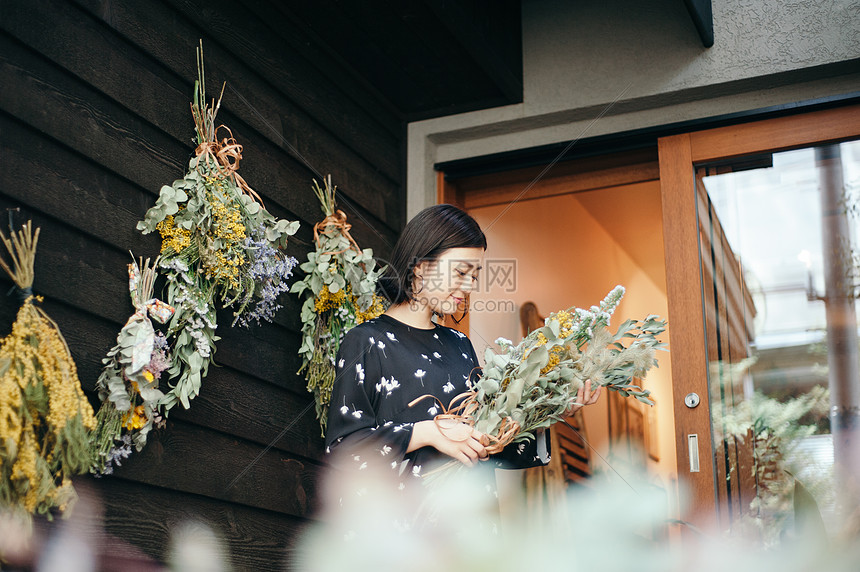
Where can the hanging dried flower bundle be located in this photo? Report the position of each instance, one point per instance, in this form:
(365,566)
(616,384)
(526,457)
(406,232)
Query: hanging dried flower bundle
(44,415)
(533,384)
(128,384)
(220,246)
(339,289)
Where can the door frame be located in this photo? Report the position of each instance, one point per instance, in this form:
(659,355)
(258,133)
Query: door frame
(679,155)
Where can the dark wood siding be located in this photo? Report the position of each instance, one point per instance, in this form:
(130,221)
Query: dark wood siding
(94,118)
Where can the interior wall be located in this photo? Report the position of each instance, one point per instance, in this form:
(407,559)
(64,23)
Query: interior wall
(569,250)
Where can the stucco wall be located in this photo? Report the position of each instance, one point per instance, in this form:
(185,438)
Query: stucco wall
(578,54)
(594,68)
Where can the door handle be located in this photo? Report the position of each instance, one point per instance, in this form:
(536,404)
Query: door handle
(693,450)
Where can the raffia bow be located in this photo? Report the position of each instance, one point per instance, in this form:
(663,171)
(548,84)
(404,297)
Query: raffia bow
(335,222)
(461,410)
(226,155)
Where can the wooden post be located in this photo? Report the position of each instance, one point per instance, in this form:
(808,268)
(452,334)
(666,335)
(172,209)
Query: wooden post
(842,350)
(687,329)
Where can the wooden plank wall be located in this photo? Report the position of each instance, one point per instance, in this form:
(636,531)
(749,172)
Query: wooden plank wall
(94,118)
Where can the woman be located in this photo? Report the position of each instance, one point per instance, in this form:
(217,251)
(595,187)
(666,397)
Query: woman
(386,364)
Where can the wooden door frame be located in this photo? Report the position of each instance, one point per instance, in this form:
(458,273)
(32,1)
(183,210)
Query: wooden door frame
(679,155)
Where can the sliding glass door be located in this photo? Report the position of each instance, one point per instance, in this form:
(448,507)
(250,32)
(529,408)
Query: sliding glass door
(762,263)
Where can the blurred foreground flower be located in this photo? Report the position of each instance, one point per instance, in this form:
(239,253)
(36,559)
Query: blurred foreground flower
(82,543)
(195,547)
(614,524)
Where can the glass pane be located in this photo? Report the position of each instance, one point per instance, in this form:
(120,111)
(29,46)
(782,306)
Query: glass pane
(777,244)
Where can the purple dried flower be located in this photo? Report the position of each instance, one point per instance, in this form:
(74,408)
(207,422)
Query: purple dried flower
(270,269)
(117,454)
(159,361)
(160,342)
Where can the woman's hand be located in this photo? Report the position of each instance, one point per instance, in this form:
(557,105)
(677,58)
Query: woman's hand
(459,441)
(585,397)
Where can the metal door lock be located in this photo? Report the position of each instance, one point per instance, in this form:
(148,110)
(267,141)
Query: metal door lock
(691,400)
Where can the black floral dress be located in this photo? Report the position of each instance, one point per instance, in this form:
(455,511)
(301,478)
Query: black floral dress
(382,366)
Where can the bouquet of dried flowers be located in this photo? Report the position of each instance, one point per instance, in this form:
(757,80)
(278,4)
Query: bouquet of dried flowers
(339,289)
(533,384)
(128,384)
(44,416)
(219,246)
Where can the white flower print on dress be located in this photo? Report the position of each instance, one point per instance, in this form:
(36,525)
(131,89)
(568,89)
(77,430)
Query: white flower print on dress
(388,388)
(388,385)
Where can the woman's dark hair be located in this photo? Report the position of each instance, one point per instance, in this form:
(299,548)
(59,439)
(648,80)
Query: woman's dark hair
(430,233)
